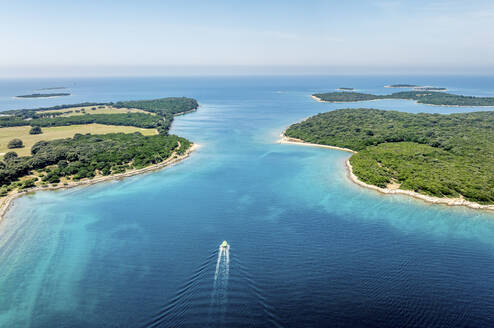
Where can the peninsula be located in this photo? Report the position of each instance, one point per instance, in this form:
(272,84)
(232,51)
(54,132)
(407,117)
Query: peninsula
(69,145)
(440,158)
(44,95)
(422,97)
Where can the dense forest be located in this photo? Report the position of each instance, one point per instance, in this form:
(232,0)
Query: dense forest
(166,108)
(162,106)
(85,156)
(402,86)
(33,112)
(140,120)
(423,97)
(429,89)
(433,154)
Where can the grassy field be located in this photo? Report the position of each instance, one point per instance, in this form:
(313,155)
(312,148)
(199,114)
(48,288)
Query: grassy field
(59,132)
(98,110)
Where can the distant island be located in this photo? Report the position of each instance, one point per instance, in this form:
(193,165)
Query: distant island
(44,95)
(415,87)
(67,145)
(439,158)
(423,97)
(346,89)
(52,88)
(401,86)
(429,89)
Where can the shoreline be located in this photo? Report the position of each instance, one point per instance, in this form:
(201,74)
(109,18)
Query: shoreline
(428,199)
(294,141)
(7,201)
(416,101)
(349,172)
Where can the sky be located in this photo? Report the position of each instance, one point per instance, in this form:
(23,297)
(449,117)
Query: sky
(44,38)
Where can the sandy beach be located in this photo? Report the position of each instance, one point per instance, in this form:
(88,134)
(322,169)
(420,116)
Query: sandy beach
(287,140)
(430,199)
(6,202)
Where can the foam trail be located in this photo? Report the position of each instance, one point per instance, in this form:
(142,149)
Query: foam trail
(219,295)
(220,253)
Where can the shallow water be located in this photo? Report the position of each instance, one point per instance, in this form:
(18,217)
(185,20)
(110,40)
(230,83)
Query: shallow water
(308,247)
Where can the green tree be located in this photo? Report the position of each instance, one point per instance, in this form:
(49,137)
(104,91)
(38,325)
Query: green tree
(15,143)
(35,130)
(9,155)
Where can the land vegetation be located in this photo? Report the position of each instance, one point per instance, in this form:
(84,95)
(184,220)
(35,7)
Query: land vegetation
(432,154)
(45,95)
(402,85)
(52,88)
(90,110)
(86,156)
(83,146)
(423,97)
(60,132)
(429,89)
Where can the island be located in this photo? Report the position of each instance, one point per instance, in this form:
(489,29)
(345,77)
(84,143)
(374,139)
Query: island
(44,95)
(52,88)
(427,88)
(436,157)
(406,86)
(70,145)
(346,89)
(423,97)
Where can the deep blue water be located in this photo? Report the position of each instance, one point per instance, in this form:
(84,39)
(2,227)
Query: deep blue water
(308,247)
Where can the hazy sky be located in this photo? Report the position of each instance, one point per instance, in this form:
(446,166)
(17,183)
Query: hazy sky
(127,37)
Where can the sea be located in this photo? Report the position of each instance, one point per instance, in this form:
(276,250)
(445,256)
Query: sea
(308,248)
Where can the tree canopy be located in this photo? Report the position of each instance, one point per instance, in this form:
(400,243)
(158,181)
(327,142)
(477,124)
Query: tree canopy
(15,143)
(423,97)
(434,154)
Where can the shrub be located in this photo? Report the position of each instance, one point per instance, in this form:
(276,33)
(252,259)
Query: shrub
(15,143)
(35,130)
(9,155)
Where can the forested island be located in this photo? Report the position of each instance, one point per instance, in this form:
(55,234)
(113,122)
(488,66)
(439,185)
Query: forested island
(401,86)
(44,95)
(423,97)
(57,150)
(52,88)
(346,89)
(429,89)
(447,156)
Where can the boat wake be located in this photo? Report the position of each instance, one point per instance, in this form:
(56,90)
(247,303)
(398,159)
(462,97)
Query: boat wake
(219,295)
(229,298)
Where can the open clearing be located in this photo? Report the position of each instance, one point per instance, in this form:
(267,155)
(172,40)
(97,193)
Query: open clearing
(72,111)
(59,132)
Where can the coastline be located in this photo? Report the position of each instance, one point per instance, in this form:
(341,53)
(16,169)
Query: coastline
(429,199)
(416,101)
(294,141)
(6,201)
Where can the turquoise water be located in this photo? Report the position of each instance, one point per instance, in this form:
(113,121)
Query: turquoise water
(308,247)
